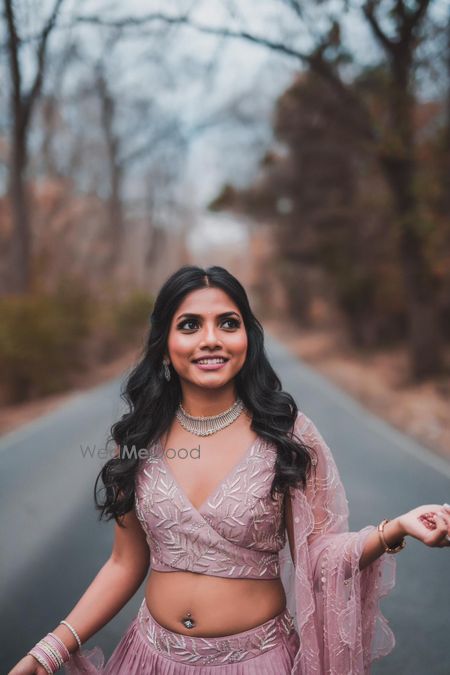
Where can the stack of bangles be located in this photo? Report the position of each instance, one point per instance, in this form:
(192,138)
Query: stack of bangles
(51,652)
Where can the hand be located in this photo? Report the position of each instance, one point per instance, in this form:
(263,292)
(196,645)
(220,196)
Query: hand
(28,666)
(429,524)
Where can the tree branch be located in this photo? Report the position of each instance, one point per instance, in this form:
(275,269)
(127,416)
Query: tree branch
(295,6)
(407,21)
(35,88)
(412,19)
(131,21)
(369,12)
(315,61)
(13,51)
(149,146)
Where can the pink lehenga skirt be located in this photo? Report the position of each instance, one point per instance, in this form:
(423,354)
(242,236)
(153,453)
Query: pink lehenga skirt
(147,648)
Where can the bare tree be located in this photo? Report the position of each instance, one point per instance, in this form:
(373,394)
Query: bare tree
(22,104)
(398,158)
(396,152)
(398,29)
(115,167)
(446,144)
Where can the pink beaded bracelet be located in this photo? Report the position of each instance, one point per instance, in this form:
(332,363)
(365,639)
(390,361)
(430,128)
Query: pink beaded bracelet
(55,640)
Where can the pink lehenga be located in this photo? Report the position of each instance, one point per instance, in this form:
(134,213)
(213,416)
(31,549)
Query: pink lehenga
(332,623)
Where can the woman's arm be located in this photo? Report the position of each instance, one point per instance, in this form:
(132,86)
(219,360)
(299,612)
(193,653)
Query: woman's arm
(117,582)
(373,548)
(411,524)
(328,502)
(394,531)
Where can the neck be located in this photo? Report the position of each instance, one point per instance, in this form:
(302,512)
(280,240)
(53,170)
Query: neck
(205,403)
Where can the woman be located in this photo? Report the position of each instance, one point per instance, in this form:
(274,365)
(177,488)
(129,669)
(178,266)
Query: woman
(237,504)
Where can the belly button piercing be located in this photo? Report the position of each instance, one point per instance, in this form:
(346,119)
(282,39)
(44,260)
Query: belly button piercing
(188,622)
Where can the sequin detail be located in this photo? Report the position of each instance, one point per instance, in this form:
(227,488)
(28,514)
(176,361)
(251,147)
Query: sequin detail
(214,650)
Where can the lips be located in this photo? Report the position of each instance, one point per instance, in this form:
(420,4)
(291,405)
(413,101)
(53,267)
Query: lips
(209,358)
(210,364)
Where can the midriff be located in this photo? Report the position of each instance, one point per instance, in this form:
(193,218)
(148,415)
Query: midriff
(219,606)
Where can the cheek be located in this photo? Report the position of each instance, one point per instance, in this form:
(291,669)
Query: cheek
(179,346)
(238,344)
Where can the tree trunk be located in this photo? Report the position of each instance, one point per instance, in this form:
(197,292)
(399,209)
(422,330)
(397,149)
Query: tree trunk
(115,211)
(115,205)
(21,105)
(20,275)
(446,145)
(420,283)
(399,163)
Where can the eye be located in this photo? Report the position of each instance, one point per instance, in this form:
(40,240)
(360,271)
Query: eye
(183,323)
(235,323)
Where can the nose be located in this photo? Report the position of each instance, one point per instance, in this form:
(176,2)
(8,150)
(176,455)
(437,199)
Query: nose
(210,337)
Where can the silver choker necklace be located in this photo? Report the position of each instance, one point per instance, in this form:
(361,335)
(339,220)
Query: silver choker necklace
(205,426)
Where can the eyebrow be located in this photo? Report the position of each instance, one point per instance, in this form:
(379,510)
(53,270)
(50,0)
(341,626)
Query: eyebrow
(199,316)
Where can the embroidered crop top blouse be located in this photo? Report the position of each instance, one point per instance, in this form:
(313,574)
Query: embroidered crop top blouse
(238,530)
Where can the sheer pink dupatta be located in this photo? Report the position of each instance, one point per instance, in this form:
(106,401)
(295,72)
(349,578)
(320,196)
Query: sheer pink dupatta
(335,605)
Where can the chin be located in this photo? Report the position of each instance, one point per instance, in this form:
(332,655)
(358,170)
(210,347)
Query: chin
(216,381)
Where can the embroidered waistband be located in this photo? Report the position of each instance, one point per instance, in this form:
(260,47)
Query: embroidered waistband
(214,650)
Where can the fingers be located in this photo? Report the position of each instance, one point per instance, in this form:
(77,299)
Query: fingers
(446,516)
(442,520)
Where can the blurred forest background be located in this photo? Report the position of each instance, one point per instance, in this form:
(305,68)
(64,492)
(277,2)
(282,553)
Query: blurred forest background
(303,144)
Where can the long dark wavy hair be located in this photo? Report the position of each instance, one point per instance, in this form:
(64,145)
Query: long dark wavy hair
(152,400)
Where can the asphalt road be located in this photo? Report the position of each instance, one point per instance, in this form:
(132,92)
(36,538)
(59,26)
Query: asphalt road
(52,544)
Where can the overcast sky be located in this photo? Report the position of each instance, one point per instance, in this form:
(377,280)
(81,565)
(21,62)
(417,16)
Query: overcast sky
(215,71)
(208,72)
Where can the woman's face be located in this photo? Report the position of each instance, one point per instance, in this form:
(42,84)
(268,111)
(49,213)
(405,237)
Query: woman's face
(207,324)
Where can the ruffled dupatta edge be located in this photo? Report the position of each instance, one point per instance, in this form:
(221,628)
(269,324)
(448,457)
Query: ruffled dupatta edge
(335,605)
(89,661)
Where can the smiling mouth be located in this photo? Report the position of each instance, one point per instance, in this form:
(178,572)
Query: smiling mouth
(211,360)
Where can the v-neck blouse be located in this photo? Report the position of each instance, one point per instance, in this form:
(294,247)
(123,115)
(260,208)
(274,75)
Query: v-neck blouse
(236,532)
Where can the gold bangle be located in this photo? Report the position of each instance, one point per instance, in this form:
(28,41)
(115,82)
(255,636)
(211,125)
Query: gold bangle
(389,549)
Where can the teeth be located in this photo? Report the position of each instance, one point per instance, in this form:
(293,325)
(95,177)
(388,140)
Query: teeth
(211,361)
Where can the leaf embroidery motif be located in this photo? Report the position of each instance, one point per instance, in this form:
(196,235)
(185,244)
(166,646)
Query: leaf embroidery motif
(237,532)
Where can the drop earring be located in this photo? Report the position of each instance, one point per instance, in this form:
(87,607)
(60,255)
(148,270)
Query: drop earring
(166,370)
